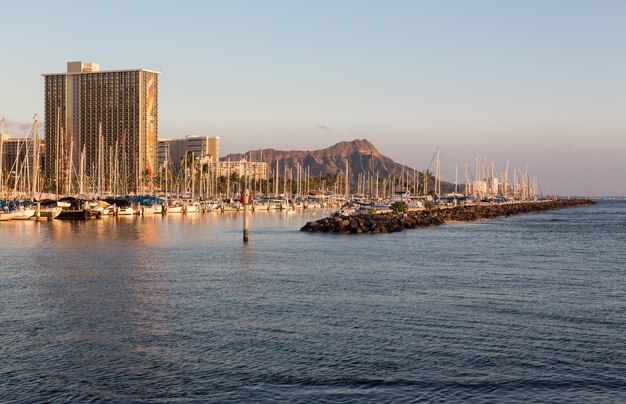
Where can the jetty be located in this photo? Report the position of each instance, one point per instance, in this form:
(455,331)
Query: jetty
(391,222)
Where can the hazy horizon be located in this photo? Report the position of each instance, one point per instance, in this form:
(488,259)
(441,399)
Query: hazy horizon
(539,84)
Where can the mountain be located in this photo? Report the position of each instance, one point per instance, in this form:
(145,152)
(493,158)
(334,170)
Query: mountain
(360,154)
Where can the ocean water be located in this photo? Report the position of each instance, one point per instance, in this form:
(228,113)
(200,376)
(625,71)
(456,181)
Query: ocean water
(176,309)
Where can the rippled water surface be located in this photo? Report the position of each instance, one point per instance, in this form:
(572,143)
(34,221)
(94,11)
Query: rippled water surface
(168,309)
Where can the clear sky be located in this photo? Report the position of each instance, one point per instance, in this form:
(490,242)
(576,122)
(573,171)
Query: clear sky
(541,83)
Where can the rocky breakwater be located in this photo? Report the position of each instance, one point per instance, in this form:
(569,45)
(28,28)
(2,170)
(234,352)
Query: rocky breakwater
(394,222)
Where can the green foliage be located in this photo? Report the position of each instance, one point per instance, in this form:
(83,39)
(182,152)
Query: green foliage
(430,205)
(399,207)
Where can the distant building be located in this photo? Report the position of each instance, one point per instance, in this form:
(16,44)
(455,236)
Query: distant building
(112,114)
(254,170)
(18,153)
(163,151)
(480,188)
(173,150)
(493,185)
(207,150)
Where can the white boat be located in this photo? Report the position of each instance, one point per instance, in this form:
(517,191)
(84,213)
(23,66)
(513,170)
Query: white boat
(149,210)
(212,207)
(23,214)
(280,204)
(99,208)
(157,209)
(230,208)
(5,216)
(261,205)
(191,207)
(50,212)
(174,208)
(346,210)
(51,209)
(125,211)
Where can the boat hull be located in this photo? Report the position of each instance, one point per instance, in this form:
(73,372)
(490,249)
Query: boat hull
(6,216)
(125,211)
(25,214)
(174,209)
(74,214)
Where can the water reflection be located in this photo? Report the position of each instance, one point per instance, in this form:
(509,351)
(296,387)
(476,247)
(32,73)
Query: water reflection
(101,291)
(177,308)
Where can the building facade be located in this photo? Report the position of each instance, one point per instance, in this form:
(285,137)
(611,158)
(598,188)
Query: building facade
(18,153)
(110,116)
(254,170)
(205,148)
(163,151)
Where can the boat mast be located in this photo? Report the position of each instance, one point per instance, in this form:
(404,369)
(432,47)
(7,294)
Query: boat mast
(506,179)
(228,179)
(438,175)
(466,181)
(1,153)
(347,185)
(35,155)
(70,161)
(276,180)
(81,174)
(57,138)
(456,180)
(16,165)
(99,170)
(193,174)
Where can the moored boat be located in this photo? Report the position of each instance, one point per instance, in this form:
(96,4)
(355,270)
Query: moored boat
(174,207)
(191,207)
(149,209)
(6,216)
(124,211)
(50,212)
(75,209)
(23,214)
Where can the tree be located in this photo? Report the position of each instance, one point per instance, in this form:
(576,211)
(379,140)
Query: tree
(399,207)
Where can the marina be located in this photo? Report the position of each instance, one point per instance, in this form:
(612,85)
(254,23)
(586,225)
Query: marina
(84,189)
(313,202)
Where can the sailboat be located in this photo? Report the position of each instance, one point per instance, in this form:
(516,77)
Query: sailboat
(23,213)
(51,208)
(6,216)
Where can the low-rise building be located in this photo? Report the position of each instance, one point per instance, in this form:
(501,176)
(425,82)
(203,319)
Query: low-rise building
(252,169)
(173,150)
(18,153)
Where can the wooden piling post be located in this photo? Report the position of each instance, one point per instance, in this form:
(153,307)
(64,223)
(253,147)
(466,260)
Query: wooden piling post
(245,198)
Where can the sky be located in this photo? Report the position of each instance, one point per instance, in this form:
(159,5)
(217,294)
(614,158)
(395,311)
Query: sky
(541,84)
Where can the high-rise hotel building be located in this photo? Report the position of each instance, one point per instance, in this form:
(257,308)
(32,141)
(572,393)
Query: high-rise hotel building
(112,115)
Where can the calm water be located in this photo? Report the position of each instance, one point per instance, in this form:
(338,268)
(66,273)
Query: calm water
(530,308)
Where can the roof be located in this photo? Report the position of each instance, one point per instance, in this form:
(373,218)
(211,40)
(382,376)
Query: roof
(102,71)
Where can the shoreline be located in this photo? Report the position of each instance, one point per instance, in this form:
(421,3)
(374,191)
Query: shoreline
(395,222)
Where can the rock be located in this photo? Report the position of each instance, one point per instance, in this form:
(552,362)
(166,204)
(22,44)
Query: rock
(393,222)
